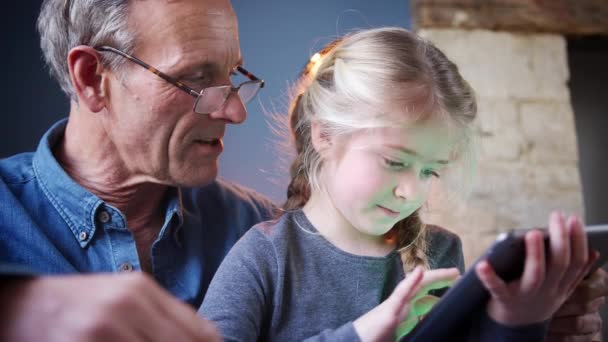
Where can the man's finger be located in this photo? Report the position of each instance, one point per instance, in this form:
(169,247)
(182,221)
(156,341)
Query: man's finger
(574,308)
(593,256)
(177,316)
(584,324)
(595,286)
(570,338)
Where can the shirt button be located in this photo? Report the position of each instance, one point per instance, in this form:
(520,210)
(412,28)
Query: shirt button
(104,217)
(83,236)
(126,267)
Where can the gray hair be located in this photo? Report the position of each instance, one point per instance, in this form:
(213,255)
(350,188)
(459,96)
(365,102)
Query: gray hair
(65,24)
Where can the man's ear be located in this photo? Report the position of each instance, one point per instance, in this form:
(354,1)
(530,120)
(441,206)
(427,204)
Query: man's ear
(321,141)
(86,74)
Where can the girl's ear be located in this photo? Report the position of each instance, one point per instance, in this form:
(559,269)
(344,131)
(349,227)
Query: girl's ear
(321,141)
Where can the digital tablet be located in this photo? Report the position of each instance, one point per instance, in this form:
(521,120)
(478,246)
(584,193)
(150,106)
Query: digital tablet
(453,312)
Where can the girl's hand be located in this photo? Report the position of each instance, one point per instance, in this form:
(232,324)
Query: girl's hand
(543,287)
(380,323)
(422,303)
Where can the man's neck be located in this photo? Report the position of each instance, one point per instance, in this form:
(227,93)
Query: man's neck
(93,161)
(326,218)
(90,158)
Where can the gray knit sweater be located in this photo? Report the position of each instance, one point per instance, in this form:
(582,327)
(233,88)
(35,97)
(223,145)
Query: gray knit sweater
(283,281)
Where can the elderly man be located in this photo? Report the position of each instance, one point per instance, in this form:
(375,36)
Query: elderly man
(128,182)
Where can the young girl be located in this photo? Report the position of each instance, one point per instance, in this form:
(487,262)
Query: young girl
(377,116)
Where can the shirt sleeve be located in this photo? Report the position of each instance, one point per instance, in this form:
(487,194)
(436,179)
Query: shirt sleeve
(15,271)
(239,298)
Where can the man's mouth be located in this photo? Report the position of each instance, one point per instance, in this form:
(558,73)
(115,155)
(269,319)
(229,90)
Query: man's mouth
(211,142)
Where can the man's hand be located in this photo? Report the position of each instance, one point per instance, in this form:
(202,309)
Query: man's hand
(578,319)
(127,307)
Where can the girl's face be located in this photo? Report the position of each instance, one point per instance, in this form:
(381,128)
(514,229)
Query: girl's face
(380,176)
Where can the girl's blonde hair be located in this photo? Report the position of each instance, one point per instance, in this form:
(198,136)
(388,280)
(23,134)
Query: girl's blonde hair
(350,85)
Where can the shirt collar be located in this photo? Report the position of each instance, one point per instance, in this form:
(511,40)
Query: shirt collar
(76,205)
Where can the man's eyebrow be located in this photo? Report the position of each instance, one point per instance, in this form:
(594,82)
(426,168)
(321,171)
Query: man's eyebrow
(211,68)
(414,153)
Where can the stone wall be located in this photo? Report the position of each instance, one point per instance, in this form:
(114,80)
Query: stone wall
(527,158)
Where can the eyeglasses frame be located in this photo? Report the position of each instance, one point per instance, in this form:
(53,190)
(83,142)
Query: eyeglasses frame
(196,94)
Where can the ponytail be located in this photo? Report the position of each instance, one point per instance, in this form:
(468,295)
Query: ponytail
(298,191)
(410,235)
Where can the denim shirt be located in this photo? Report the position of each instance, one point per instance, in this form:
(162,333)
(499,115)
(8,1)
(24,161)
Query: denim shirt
(52,225)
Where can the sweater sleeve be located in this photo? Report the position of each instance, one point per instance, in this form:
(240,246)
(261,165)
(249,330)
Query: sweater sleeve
(488,330)
(239,298)
(345,333)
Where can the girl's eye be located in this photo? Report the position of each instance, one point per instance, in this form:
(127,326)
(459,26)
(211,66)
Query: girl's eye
(394,164)
(428,173)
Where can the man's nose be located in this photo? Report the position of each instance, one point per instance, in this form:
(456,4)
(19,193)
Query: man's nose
(233,110)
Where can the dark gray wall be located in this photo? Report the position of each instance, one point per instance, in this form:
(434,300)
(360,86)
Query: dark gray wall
(587,60)
(589,92)
(30,100)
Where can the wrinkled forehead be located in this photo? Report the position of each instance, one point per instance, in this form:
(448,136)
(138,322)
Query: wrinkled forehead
(201,30)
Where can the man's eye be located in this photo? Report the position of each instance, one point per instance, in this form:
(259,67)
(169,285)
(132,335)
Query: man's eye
(199,80)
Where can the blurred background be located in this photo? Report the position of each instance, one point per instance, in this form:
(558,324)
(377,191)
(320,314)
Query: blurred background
(540,81)
(539,70)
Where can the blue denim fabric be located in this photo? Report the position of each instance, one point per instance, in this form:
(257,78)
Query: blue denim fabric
(52,225)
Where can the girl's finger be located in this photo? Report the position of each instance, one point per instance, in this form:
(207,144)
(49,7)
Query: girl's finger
(534,266)
(437,279)
(579,253)
(559,247)
(406,326)
(496,286)
(423,305)
(404,292)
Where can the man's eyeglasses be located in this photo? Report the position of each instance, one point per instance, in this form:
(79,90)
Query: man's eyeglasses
(209,99)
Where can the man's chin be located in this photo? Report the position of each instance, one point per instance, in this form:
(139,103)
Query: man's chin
(197,177)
